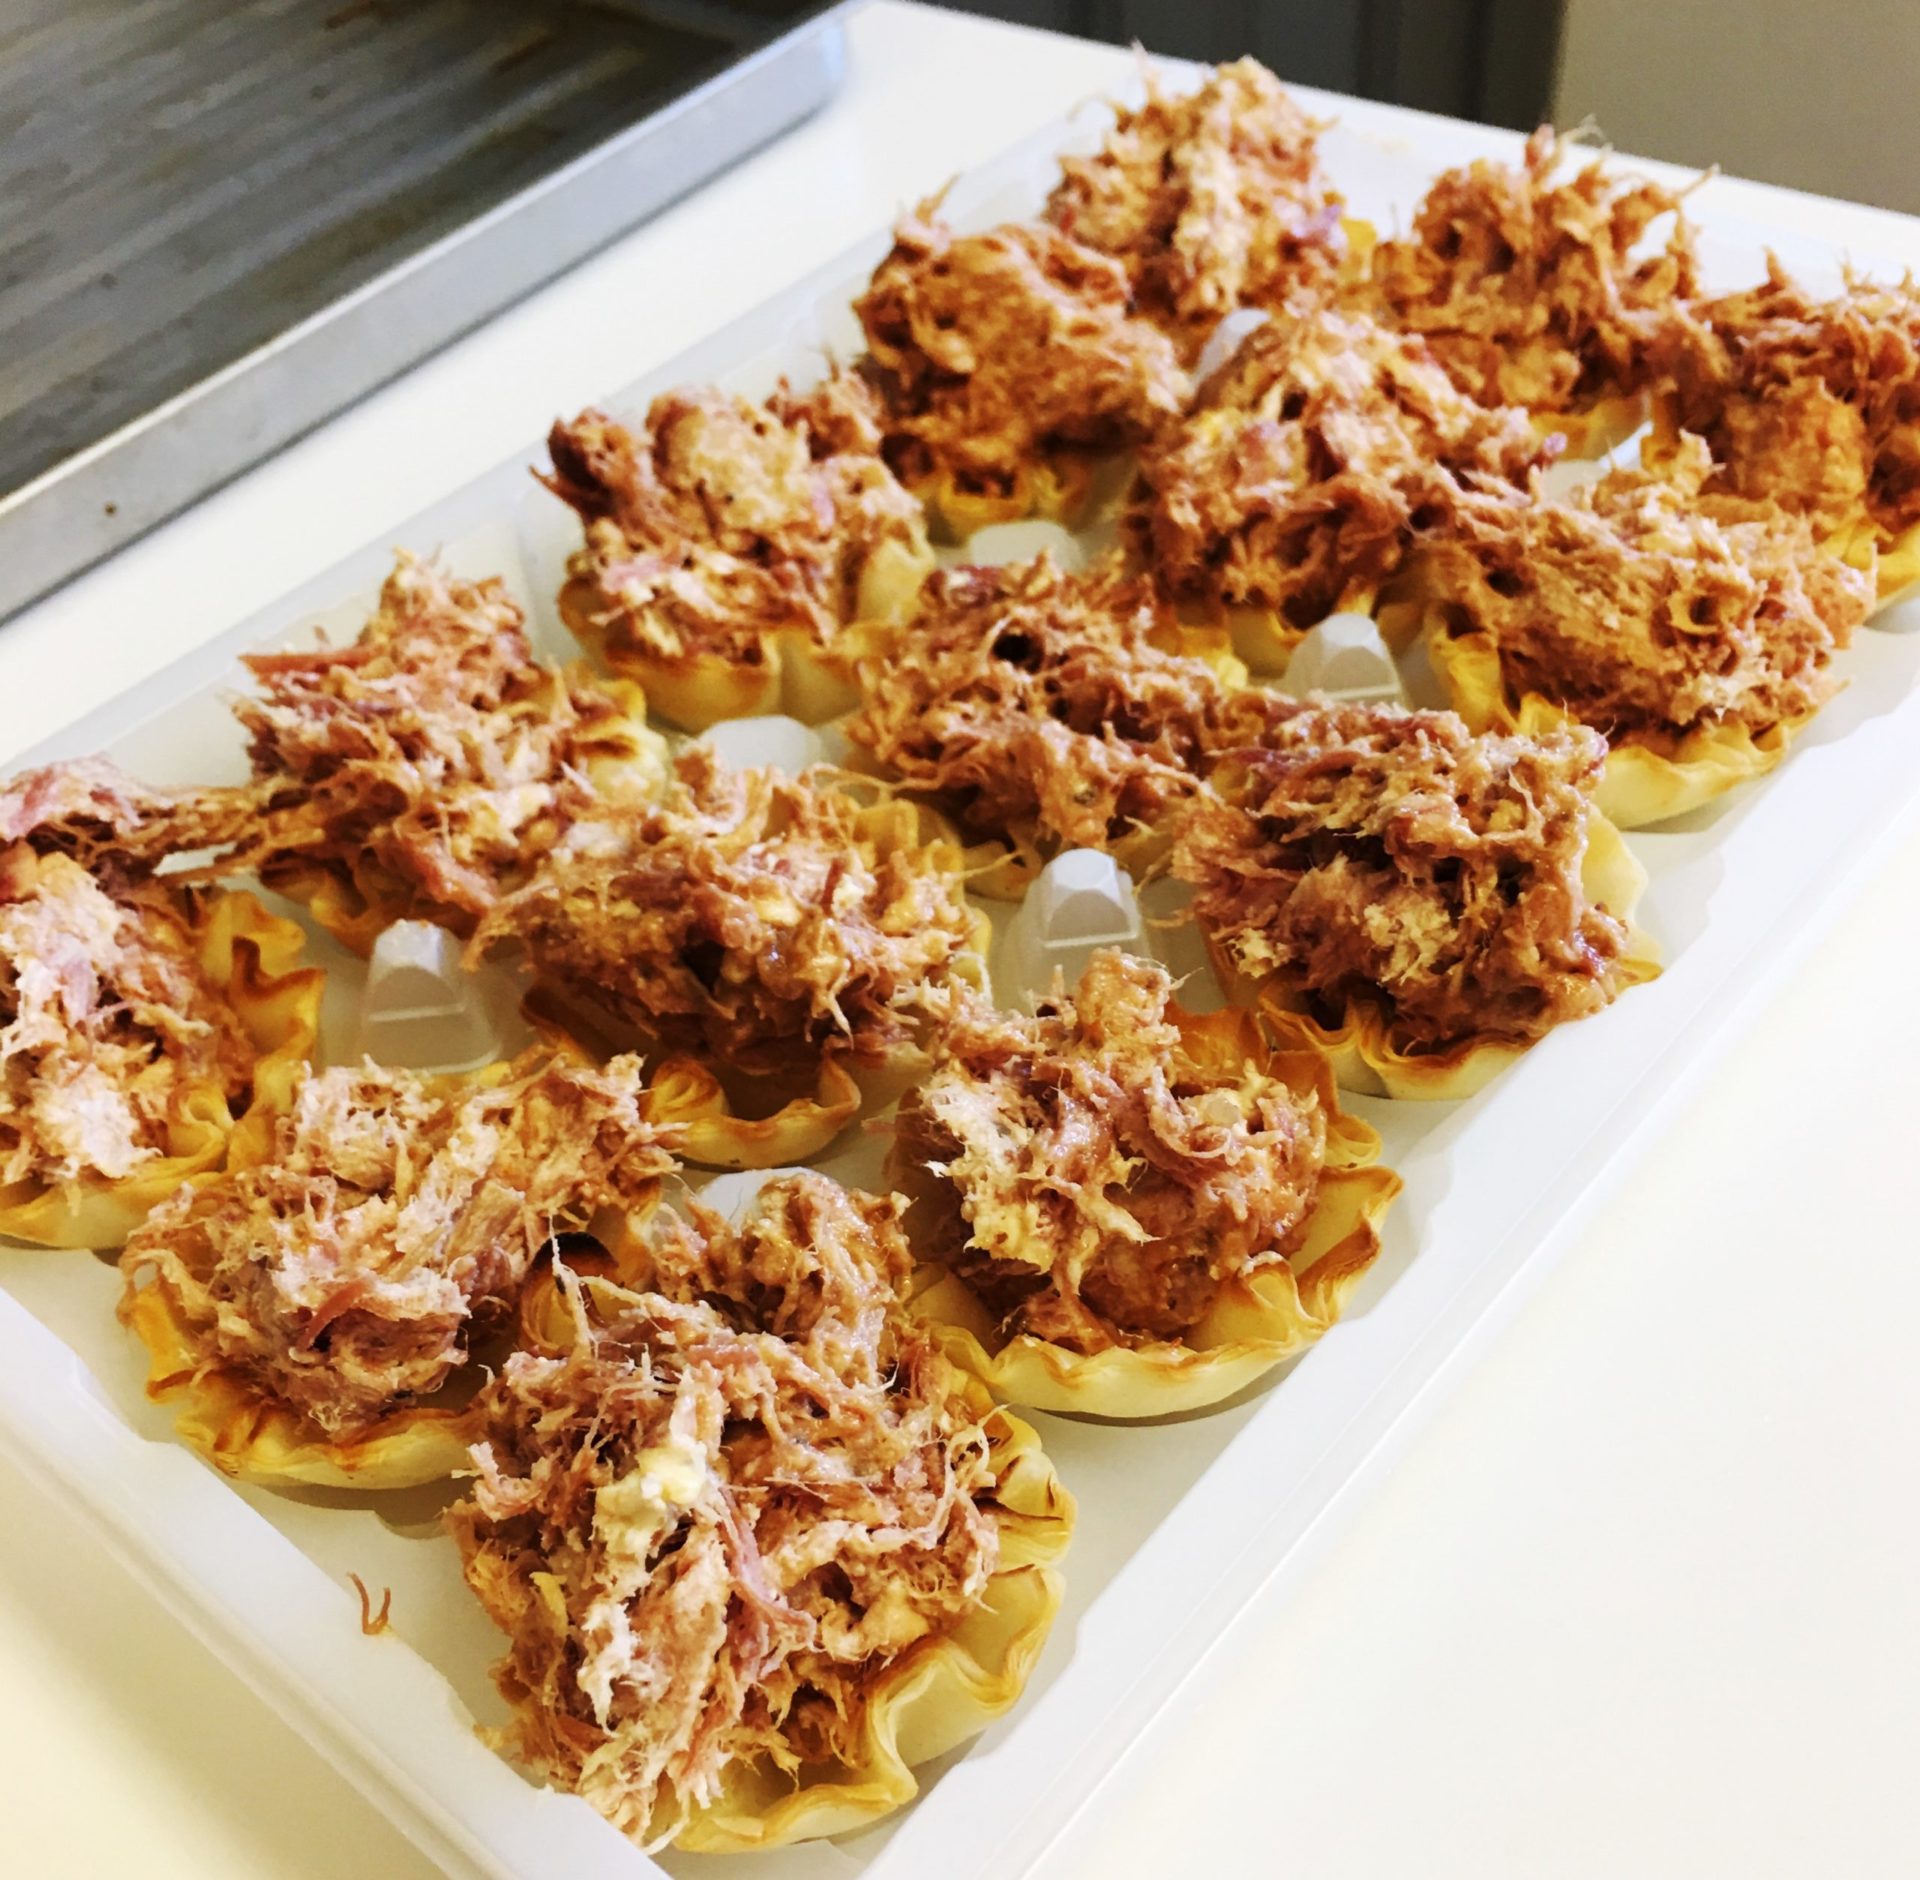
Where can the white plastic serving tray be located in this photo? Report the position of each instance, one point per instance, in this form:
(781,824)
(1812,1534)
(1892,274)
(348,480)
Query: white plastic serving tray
(1180,1522)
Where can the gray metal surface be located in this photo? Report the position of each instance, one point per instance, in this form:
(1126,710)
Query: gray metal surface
(223,220)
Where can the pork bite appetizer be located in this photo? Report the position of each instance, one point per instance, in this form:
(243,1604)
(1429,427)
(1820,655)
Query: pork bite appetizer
(1138,1210)
(1012,368)
(1542,290)
(778,944)
(313,1315)
(1044,711)
(729,546)
(418,772)
(1211,201)
(1429,900)
(138,1019)
(1695,631)
(1306,471)
(756,1546)
(1814,404)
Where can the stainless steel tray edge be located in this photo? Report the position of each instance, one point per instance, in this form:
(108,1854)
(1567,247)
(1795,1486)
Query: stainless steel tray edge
(106,495)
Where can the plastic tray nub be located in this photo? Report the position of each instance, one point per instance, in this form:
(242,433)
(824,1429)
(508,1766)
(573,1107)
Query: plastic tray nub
(1345,658)
(1082,901)
(423,1010)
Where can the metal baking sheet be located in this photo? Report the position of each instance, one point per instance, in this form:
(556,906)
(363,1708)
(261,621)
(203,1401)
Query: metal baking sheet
(224,222)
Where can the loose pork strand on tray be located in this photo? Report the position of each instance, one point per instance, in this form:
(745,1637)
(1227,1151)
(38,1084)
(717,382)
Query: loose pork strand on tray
(420,770)
(730,545)
(781,945)
(1539,292)
(1011,367)
(1137,1210)
(138,1019)
(1811,403)
(1429,900)
(307,1312)
(758,1548)
(1696,631)
(1212,201)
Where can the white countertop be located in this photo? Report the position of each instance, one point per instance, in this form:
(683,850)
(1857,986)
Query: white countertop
(1638,1599)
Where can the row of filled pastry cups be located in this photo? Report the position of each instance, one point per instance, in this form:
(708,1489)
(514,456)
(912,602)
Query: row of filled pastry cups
(725,1118)
(798,679)
(253,956)
(1262,1317)
(1651,775)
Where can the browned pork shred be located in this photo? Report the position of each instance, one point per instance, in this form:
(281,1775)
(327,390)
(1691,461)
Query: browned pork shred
(748,916)
(433,746)
(1029,701)
(1211,201)
(723,520)
(1360,852)
(994,350)
(1095,1184)
(1814,403)
(713,1519)
(1649,609)
(1528,290)
(108,1023)
(1309,463)
(342,1274)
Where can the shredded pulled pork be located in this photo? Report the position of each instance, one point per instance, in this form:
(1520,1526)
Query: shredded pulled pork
(1096,1184)
(1035,702)
(343,1273)
(725,520)
(116,828)
(1211,201)
(750,917)
(434,746)
(713,1521)
(1649,609)
(995,350)
(1310,462)
(107,1021)
(1528,289)
(1365,852)
(1812,403)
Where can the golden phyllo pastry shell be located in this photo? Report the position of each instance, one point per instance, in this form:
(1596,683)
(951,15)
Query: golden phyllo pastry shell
(789,670)
(247,1431)
(1643,782)
(1595,429)
(1258,1320)
(1265,640)
(1370,1059)
(689,1098)
(938,1693)
(1057,485)
(1892,559)
(942,1690)
(252,958)
(358,898)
